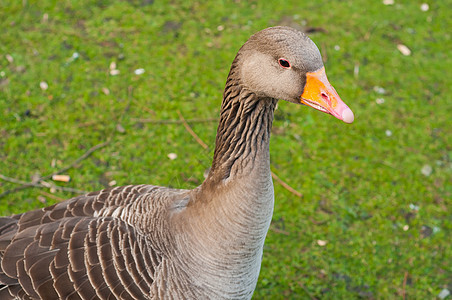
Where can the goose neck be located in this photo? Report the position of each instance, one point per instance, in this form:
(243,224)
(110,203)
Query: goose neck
(243,135)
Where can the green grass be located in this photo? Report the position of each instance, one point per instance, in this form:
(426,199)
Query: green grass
(357,182)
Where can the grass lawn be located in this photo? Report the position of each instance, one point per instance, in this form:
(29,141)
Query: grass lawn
(374,220)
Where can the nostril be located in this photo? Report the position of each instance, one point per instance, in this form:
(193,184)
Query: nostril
(325,96)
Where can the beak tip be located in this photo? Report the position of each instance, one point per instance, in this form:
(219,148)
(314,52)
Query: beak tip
(347,116)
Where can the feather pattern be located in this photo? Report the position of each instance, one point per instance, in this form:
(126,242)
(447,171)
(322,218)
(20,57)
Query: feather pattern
(80,251)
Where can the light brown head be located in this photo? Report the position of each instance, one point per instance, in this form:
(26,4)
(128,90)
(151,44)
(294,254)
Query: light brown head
(283,63)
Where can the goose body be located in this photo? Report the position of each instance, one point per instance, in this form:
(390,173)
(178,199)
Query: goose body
(150,242)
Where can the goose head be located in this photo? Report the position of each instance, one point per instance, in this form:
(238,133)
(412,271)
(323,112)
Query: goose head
(283,63)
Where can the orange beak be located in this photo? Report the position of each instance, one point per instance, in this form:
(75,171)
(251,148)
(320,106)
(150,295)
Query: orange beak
(320,94)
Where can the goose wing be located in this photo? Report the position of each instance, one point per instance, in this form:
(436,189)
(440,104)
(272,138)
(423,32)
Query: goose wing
(83,248)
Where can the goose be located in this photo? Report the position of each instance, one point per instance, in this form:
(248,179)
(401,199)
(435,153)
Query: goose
(153,242)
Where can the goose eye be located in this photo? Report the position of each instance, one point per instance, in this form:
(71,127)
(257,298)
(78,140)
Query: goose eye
(284,63)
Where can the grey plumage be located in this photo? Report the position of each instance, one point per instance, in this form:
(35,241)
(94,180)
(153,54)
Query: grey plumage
(149,242)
